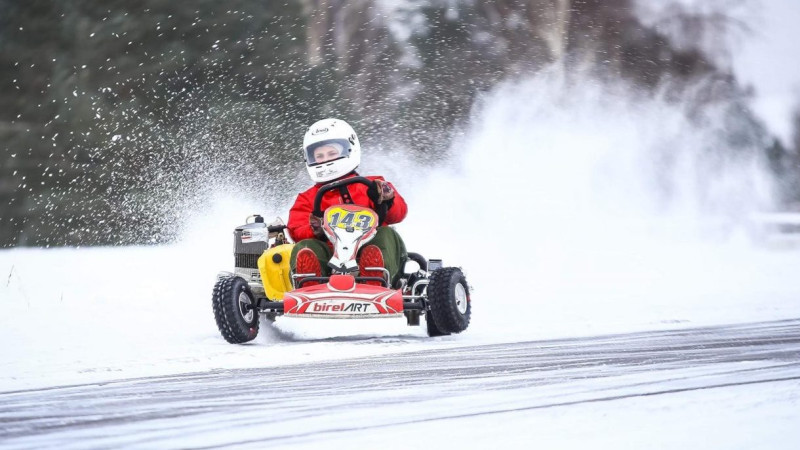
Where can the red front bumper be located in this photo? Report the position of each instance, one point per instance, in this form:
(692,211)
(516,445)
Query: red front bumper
(342,297)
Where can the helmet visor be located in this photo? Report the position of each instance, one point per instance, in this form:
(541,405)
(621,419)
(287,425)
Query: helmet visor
(327,151)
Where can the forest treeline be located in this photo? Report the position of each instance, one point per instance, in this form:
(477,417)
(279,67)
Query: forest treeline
(110,109)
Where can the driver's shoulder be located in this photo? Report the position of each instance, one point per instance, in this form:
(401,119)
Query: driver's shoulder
(313,188)
(309,193)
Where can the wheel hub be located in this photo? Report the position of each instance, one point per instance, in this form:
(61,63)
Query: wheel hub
(461,298)
(245,307)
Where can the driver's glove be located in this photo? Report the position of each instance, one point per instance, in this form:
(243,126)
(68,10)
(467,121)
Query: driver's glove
(385,192)
(316,227)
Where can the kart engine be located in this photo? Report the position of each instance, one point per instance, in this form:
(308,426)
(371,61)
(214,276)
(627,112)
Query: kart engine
(246,254)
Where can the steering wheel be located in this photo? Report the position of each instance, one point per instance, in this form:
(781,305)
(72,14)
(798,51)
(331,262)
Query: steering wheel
(372,192)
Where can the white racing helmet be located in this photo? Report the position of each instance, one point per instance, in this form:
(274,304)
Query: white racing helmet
(331,150)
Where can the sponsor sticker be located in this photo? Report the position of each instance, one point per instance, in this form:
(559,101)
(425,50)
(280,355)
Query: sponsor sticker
(341,307)
(259,235)
(324,171)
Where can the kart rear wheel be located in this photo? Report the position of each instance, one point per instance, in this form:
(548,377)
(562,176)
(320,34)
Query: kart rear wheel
(448,298)
(234,310)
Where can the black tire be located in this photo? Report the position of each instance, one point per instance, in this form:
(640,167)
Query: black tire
(235,321)
(433,331)
(450,305)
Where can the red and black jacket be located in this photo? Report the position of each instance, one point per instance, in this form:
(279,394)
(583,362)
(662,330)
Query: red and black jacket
(299,227)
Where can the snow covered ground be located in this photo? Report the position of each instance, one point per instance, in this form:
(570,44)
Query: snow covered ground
(717,387)
(85,315)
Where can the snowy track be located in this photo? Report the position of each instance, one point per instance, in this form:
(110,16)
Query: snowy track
(559,391)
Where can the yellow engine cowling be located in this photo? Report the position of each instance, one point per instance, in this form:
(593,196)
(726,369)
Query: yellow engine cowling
(275,274)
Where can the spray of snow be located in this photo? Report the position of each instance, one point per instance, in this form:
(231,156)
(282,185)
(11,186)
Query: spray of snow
(575,205)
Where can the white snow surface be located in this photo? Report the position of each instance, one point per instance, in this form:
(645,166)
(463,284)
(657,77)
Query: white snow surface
(547,206)
(128,312)
(86,315)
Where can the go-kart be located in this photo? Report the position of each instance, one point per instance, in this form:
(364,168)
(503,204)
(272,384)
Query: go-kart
(261,283)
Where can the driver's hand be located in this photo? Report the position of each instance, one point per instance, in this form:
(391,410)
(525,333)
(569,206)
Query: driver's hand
(385,191)
(316,226)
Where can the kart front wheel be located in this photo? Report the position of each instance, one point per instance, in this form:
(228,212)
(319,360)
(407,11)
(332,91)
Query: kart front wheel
(234,310)
(448,298)
(433,330)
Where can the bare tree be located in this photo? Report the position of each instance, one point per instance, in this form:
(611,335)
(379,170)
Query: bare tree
(711,26)
(350,39)
(521,21)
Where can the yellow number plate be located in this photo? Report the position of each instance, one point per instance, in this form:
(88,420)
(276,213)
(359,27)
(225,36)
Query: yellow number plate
(350,217)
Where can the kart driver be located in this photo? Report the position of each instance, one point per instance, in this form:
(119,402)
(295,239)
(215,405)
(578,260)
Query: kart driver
(332,152)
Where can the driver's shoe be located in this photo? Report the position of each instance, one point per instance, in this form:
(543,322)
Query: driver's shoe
(371,256)
(307,263)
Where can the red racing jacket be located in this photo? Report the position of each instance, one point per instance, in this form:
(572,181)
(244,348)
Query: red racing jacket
(299,227)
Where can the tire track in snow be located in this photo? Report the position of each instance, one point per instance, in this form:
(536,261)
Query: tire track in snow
(308,401)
